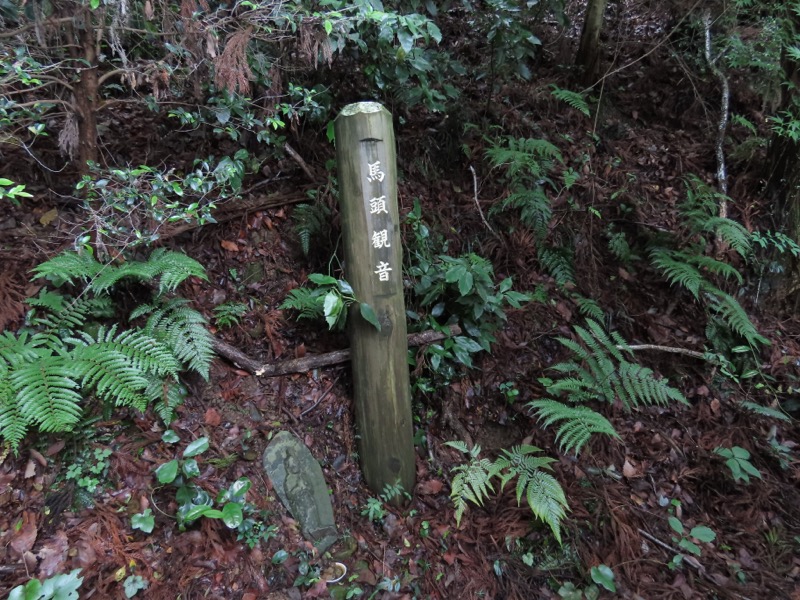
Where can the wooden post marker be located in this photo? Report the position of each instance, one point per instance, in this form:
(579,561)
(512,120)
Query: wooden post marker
(366,157)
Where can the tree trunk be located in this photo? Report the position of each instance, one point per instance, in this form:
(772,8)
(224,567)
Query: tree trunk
(588,57)
(86,92)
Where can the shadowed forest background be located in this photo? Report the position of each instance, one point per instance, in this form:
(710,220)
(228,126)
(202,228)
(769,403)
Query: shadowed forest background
(600,213)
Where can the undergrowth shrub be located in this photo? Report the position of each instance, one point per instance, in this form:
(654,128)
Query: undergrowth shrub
(72,350)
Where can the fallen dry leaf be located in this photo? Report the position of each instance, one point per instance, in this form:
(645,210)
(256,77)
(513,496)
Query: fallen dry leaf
(53,554)
(430,487)
(229,246)
(25,537)
(212,417)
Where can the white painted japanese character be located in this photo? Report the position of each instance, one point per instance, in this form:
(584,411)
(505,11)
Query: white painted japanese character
(383,271)
(378,205)
(380,239)
(375,173)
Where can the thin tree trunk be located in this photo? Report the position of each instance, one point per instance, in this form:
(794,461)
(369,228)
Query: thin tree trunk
(589,52)
(86,93)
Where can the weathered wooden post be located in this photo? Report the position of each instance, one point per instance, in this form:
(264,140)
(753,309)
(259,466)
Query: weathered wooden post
(366,157)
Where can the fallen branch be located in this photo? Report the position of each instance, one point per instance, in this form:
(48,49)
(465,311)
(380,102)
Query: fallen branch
(307,363)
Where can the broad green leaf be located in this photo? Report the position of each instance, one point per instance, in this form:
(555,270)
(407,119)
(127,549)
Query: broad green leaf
(603,575)
(190,468)
(332,308)
(321,279)
(676,525)
(369,315)
(280,557)
(703,533)
(167,472)
(197,447)
(232,515)
(170,437)
(192,512)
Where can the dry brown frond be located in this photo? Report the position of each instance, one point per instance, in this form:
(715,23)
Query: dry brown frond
(232,71)
(314,40)
(68,137)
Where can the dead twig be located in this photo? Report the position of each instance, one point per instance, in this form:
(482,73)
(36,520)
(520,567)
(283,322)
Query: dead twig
(308,363)
(478,204)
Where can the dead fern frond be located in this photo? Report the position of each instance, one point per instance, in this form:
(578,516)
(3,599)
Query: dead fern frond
(231,70)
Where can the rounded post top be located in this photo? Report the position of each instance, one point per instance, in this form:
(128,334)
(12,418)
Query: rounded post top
(361,107)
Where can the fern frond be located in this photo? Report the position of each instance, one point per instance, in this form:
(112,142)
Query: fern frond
(307,301)
(573,99)
(577,423)
(677,271)
(68,267)
(13,424)
(170,268)
(47,393)
(715,266)
(618,246)
(544,494)
(165,395)
(183,330)
(638,384)
(16,349)
(547,501)
(735,317)
(310,221)
(558,262)
(588,307)
(64,314)
(527,156)
(731,232)
(765,411)
(535,210)
(112,375)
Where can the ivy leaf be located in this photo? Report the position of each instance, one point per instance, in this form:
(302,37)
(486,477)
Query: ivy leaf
(144,521)
(332,307)
(369,315)
(197,447)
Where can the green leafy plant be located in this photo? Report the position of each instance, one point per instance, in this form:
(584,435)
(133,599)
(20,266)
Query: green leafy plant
(509,391)
(134,584)
(374,510)
(58,587)
(472,482)
(228,314)
(600,575)
(738,461)
(88,469)
(193,501)
(11,191)
(329,298)
(455,291)
(67,354)
(687,540)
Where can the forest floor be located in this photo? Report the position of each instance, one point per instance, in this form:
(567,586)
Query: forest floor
(653,132)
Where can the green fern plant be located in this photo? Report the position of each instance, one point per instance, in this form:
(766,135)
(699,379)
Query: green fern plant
(473,482)
(310,221)
(573,99)
(66,354)
(528,163)
(599,370)
(558,262)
